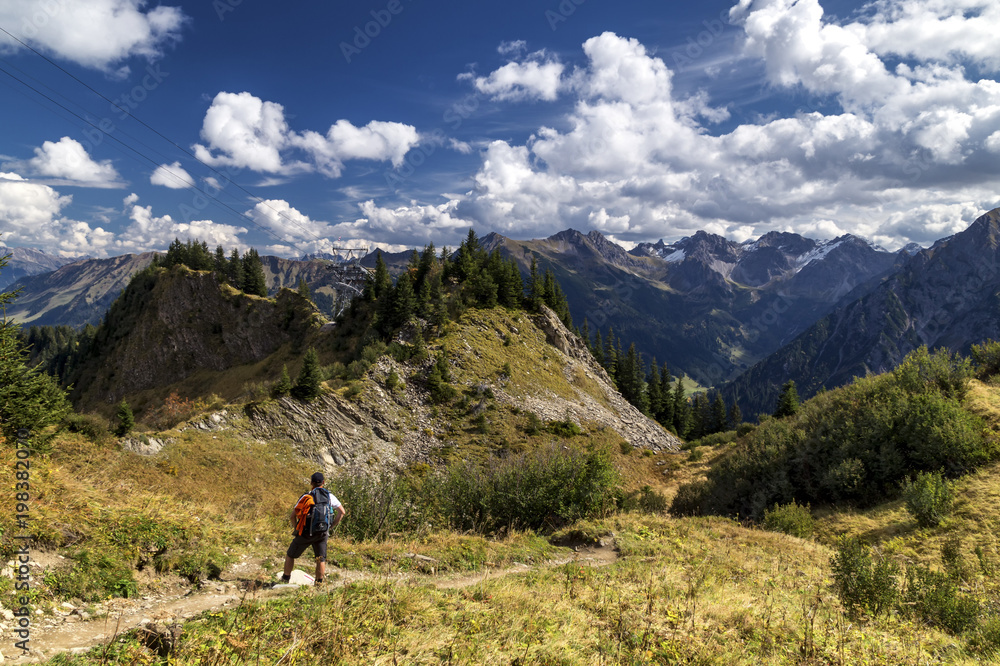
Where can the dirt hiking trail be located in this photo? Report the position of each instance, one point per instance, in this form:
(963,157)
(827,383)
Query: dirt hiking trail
(76,630)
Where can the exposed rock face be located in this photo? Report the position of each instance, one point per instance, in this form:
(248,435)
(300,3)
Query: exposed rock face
(166,328)
(945,296)
(634,426)
(387,430)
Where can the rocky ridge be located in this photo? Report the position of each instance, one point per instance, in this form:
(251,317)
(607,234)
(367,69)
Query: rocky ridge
(389,429)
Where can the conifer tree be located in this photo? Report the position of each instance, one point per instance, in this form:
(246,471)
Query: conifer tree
(234,270)
(610,356)
(585,334)
(699,417)
(597,349)
(536,287)
(666,413)
(419,346)
(682,410)
(254,281)
(654,395)
(219,265)
(404,301)
(735,416)
(284,385)
(719,419)
(382,282)
(303,289)
(788,401)
(424,268)
(29,399)
(126,420)
(307,385)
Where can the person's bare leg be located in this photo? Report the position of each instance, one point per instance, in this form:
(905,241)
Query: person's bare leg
(320,569)
(289,565)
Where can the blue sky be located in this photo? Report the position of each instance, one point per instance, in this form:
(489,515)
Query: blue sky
(299,128)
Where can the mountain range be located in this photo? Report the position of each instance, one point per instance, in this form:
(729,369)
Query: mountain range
(741,317)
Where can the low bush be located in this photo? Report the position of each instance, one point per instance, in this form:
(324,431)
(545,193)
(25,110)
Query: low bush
(864,584)
(928,498)
(793,519)
(563,428)
(539,490)
(91,426)
(986,359)
(935,598)
(645,500)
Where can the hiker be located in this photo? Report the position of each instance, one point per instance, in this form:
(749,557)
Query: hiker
(311,527)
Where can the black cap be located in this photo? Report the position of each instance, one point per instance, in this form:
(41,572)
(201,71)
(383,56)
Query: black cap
(317,478)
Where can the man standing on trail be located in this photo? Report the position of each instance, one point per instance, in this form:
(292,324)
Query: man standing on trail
(312,517)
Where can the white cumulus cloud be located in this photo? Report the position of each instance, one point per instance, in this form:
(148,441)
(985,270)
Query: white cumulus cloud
(66,162)
(243,131)
(173,176)
(99,34)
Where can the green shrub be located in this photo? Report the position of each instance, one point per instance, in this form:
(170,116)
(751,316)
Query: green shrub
(92,576)
(625,448)
(952,560)
(696,454)
(793,519)
(565,428)
(373,351)
(651,501)
(929,498)
(690,499)
(985,641)
(392,380)
(935,598)
(91,426)
(863,584)
(986,359)
(539,490)
(534,425)
(354,389)
(379,506)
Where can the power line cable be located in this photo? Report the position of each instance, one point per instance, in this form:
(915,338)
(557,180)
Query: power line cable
(153,162)
(253,196)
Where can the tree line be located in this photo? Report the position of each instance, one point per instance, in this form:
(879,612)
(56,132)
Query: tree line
(654,392)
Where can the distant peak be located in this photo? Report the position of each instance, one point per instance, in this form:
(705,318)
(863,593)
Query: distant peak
(571,235)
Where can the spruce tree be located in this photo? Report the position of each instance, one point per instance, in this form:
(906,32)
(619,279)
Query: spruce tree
(254,281)
(307,386)
(29,399)
(719,419)
(682,410)
(126,420)
(219,264)
(382,282)
(654,388)
(788,401)
(284,385)
(404,301)
(598,349)
(735,416)
(536,288)
(303,289)
(234,270)
(666,414)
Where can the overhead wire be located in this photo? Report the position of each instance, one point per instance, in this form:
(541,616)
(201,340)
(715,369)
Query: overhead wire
(149,159)
(129,113)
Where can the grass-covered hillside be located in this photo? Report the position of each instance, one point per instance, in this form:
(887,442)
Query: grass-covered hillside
(493,516)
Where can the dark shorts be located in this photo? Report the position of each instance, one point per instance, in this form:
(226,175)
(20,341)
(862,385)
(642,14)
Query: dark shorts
(300,543)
